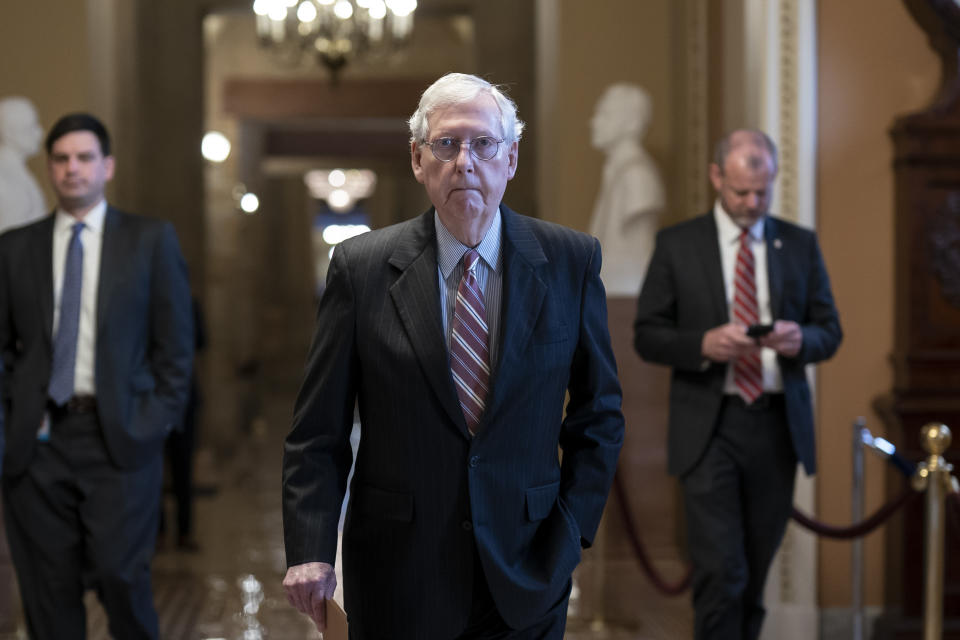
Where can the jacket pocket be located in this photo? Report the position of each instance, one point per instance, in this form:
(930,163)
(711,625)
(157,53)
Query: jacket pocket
(540,501)
(550,334)
(381,503)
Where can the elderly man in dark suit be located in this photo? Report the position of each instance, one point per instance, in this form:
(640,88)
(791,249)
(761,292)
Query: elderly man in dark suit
(97,345)
(737,302)
(459,333)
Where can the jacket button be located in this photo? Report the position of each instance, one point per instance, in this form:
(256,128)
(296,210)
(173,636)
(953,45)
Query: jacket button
(467,525)
(474,461)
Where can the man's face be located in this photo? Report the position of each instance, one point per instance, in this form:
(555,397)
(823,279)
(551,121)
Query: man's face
(465,190)
(78,170)
(745,186)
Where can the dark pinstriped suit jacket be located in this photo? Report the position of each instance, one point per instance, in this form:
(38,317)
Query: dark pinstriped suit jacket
(683,296)
(144,346)
(423,490)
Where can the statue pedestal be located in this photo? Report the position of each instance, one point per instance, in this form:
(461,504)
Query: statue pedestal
(643,460)
(653,495)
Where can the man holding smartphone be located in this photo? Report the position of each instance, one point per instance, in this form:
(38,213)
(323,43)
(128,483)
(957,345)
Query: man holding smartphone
(737,303)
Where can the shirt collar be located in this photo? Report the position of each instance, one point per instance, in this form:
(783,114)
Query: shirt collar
(92,221)
(450,250)
(729,231)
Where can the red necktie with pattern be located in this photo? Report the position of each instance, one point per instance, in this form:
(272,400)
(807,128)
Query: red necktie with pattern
(469,353)
(747,370)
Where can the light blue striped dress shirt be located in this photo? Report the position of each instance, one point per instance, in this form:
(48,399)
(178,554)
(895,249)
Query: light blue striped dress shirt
(489,272)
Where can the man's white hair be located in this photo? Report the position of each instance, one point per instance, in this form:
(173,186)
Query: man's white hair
(459,88)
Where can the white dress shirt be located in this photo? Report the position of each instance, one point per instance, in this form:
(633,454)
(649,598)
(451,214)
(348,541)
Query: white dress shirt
(91,237)
(728,234)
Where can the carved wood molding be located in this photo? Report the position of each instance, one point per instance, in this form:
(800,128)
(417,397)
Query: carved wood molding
(927,321)
(941,21)
(943,242)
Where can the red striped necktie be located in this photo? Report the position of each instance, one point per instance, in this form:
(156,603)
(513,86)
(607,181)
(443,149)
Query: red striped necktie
(469,352)
(747,370)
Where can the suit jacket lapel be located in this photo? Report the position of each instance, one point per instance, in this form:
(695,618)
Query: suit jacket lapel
(416,297)
(110,248)
(523,293)
(774,266)
(44,271)
(708,246)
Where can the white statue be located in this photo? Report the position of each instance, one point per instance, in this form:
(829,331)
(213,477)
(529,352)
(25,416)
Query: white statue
(631,196)
(21,200)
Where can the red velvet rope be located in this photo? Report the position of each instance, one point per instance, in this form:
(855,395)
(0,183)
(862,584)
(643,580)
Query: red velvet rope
(859,529)
(667,588)
(829,531)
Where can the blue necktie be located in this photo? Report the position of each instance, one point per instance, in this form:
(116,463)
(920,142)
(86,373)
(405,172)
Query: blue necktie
(68,328)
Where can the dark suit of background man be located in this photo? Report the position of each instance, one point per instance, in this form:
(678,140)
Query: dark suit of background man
(97,344)
(462,522)
(736,455)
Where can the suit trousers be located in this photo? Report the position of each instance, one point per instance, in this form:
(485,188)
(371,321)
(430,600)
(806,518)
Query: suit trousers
(74,520)
(179,450)
(485,622)
(738,499)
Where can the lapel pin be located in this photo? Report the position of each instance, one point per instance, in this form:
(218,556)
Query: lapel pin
(777,244)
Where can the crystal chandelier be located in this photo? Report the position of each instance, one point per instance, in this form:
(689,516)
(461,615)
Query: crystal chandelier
(334,31)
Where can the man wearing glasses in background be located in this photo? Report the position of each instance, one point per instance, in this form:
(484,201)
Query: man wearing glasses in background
(459,334)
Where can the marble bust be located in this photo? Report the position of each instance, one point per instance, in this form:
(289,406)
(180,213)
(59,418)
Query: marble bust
(21,200)
(631,196)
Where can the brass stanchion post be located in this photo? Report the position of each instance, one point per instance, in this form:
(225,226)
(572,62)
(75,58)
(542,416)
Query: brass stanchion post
(856,549)
(933,475)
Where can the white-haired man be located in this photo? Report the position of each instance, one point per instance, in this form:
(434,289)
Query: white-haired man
(458,333)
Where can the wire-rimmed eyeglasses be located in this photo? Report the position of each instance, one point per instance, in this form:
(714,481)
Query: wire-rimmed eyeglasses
(482,148)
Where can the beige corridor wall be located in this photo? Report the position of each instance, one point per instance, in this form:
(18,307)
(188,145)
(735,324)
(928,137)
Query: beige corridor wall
(45,50)
(867,76)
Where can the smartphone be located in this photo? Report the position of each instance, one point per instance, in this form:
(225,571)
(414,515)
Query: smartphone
(759,330)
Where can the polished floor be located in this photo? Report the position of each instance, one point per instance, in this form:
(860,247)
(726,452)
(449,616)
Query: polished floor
(230,589)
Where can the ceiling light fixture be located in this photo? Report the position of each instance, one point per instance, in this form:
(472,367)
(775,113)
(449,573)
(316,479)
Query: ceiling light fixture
(333,31)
